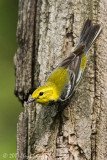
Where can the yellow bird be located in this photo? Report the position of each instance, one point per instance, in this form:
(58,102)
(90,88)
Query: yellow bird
(63,80)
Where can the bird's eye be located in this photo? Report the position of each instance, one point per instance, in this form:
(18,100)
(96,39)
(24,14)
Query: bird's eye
(41,93)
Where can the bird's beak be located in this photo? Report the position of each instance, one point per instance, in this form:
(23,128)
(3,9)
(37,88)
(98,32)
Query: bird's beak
(31,100)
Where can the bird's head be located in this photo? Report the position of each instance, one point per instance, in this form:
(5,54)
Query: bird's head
(44,95)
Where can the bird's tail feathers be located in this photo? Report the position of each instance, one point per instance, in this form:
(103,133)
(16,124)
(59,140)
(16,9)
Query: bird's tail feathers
(88,35)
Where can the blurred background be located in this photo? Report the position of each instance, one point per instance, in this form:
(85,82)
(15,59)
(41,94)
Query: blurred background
(10,107)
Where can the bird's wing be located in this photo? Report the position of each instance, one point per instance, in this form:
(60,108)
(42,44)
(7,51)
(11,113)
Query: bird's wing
(73,70)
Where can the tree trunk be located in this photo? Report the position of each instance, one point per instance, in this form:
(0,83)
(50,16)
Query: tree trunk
(47,31)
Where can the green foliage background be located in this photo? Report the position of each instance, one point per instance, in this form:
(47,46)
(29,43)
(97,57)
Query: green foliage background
(9,105)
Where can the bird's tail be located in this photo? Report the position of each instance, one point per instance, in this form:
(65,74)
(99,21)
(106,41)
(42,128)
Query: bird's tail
(88,35)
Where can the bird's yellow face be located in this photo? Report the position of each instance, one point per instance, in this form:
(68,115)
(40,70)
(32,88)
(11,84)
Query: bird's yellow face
(44,95)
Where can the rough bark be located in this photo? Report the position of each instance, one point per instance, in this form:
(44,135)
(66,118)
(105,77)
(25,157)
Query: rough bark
(47,32)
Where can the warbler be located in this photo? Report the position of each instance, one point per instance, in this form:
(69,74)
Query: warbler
(64,79)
